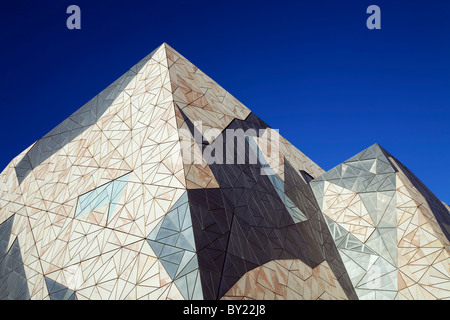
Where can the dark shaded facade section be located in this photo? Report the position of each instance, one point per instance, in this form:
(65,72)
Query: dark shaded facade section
(244,224)
(13,281)
(59,292)
(315,229)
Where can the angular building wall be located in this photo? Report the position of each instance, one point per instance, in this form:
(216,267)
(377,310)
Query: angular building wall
(390,230)
(119,202)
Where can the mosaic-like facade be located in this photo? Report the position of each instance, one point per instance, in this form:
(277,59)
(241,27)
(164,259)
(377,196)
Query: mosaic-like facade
(110,205)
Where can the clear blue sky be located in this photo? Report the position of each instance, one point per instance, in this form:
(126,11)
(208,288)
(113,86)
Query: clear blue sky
(309,68)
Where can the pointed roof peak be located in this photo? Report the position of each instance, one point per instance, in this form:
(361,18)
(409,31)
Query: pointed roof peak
(372,152)
(165,46)
(171,55)
(377,146)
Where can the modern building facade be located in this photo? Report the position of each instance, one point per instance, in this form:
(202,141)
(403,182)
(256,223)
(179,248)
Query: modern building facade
(122,201)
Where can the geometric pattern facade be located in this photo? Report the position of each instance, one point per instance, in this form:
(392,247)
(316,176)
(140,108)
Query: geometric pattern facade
(375,224)
(173,242)
(108,194)
(59,292)
(111,205)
